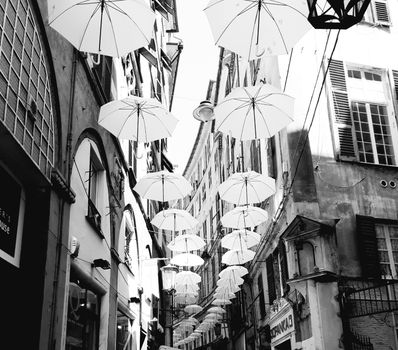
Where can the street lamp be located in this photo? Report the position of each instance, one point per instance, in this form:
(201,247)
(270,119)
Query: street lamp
(169,282)
(204,112)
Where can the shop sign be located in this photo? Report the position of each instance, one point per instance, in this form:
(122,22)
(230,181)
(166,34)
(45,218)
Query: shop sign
(282,327)
(11,214)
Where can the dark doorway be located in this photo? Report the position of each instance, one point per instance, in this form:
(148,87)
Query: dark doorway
(284,346)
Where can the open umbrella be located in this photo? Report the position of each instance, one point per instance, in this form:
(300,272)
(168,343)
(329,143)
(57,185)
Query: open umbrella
(237,257)
(187,259)
(217,309)
(224,295)
(221,302)
(227,289)
(245,216)
(233,271)
(213,316)
(137,118)
(187,277)
(163,186)
(240,239)
(174,220)
(185,243)
(191,288)
(247,188)
(252,28)
(107,27)
(254,112)
(185,298)
(193,309)
(237,281)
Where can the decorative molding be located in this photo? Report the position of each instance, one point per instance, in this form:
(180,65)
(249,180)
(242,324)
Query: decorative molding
(61,187)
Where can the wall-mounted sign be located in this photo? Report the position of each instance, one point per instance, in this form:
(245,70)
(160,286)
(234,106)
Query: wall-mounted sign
(12,204)
(282,326)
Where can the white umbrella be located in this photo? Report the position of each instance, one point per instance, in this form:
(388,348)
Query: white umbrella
(221,302)
(217,309)
(245,216)
(174,220)
(213,316)
(193,309)
(224,295)
(185,299)
(257,27)
(163,186)
(240,239)
(227,289)
(247,188)
(233,271)
(187,259)
(190,321)
(137,118)
(187,277)
(230,281)
(187,288)
(106,27)
(237,257)
(254,112)
(185,243)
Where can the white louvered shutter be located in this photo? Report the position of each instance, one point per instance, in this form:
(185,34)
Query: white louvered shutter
(344,141)
(381,12)
(395,88)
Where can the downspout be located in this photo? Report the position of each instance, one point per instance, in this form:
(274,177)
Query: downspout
(68,154)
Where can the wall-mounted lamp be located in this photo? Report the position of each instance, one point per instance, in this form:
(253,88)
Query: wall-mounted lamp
(102,263)
(205,111)
(134,300)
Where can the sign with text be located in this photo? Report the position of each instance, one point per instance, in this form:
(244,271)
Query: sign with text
(282,326)
(10,217)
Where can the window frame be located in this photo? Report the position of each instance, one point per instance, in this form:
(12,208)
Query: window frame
(393,265)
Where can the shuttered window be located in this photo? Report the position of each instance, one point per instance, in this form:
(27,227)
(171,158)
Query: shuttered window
(362,115)
(378,13)
(261,298)
(387,246)
(283,265)
(271,280)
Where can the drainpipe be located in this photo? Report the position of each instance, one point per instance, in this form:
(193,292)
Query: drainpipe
(68,157)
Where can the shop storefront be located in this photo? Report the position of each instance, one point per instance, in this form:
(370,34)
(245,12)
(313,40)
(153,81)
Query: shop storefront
(282,327)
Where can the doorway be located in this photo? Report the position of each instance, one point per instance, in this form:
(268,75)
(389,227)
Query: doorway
(284,346)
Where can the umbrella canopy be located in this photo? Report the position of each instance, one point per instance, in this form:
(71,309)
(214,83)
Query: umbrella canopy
(245,216)
(247,188)
(221,302)
(224,295)
(185,299)
(187,288)
(107,27)
(185,243)
(254,112)
(187,259)
(227,289)
(163,186)
(230,281)
(190,321)
(240,239)
(233,271)
(174,220)
(217,309)
(187,277)
(193,309)
(257,27)
(237,257)
(213,316)
(137,118)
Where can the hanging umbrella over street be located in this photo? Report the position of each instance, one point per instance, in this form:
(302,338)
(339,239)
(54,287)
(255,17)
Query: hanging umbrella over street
(221,302)
(106,27)
(185,298)
(186,243)
(224,295)
(174,220)
(247,188)
(254,112)
(252,28)
(237,257)
(217,309)
(187,277)
(233,271)
(163,186)
(137,119)
(187,259)
(245,216)
(227,289)
(193,309)
(230,281)
(240,239)
(192,288)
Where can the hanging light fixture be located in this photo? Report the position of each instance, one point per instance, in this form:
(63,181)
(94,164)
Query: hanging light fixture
(336,14)
(169,277)
(204,112)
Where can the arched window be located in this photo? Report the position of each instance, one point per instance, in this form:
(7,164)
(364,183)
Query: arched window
(306,257)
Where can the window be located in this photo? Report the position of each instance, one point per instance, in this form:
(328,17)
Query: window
(387,246)
(261,296)
(365,130)
(306,257)
(93,215)
(377,13)
(124,339)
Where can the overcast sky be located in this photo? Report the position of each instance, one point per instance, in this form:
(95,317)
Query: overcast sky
(198,64)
